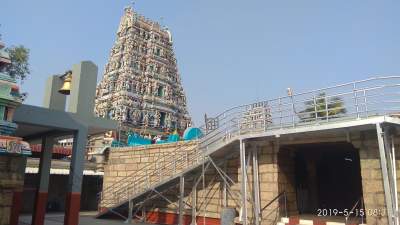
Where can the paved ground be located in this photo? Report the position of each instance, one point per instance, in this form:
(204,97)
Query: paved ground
(86,218)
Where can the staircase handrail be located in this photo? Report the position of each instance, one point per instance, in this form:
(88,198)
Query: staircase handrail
(173,157)
(282,194)
(361,202)
(142,180)
(148,166)
(282,112)
(143,168)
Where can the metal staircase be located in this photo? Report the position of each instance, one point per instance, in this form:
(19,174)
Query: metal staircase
(185,158)
(151,175)
(346,102)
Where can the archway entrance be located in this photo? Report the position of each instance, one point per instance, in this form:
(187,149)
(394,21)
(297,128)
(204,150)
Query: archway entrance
(327,177)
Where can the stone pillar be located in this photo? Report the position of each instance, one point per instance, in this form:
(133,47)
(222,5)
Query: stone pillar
(312,180)
(75,178)
(12,170)
(396,146)
(16,206)
(39,209)
(17,195)
(83,89)
(372,182)
(269,188)
(286,181)
(52,98)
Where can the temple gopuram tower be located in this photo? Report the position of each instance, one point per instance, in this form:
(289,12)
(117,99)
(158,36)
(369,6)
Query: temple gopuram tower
(141,87)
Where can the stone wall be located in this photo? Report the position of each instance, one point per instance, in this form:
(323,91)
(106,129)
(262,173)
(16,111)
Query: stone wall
(273,177)
(12,171)
(269,185)
(372,182)
(286,181)
(209,197)
(125,163)
(276,173)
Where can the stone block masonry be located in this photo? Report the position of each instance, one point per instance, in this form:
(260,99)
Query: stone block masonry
(371,173)
(125,163)
(12,171)
(276,167)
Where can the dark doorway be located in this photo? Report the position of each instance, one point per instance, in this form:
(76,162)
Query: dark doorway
(328,176)
(162,119)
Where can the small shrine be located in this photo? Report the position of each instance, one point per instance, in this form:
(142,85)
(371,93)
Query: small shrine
(10,99)
(12,149)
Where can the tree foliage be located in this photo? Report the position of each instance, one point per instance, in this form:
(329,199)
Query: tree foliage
(322,107)
(19,67)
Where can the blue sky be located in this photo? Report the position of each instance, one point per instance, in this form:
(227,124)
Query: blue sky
(229,52)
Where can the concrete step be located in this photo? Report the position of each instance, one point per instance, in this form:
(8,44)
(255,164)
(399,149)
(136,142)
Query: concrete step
(316,221)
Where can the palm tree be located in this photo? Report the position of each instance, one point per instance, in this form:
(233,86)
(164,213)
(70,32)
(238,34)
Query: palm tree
(322,108)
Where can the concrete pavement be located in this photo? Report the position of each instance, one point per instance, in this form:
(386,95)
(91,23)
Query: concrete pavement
(86,218)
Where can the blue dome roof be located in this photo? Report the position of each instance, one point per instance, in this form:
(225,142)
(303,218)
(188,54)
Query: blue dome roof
(192,133)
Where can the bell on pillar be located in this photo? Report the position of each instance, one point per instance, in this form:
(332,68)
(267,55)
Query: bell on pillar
(66,88)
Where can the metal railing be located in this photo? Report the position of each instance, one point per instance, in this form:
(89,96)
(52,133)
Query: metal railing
(150,174)
(277,198)
(360,212)
(345,102)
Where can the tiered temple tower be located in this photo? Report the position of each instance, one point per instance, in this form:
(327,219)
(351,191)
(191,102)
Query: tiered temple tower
(141,86)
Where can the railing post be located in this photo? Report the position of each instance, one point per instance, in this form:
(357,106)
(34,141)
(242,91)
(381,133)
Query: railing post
(256,187)
(174,161)
(127,191)
(326,109)
(356,100)
(181,196)
(159,171)
(362,207)
(147,178)
(391,172)
(197,152)
(242,150)
(238,125)
(194,204)
(224,189)
(174,165)
(385,175)
(394,175)
(265,119)
(293,112)
(315,109)
(134,186)
(280,112)
(187,158)
(144,217)
(285,199)
(365,103)
(130,209)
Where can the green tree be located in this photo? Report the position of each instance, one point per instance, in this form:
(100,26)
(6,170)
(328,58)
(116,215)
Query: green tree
(322,107)
(19,67)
